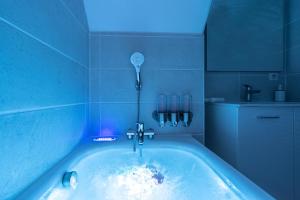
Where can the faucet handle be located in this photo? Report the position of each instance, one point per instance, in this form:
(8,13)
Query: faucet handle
(248,87)
(140,127)
(130,134)
(150,133)
(255,91)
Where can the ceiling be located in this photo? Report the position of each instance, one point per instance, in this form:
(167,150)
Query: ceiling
(154,16)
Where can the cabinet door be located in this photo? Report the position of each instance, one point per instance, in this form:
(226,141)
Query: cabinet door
(265,149)
(297,153)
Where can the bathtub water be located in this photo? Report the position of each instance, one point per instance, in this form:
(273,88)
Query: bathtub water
(122,174)
(168,170)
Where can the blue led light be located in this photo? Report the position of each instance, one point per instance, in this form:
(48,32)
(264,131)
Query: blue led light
(104,139)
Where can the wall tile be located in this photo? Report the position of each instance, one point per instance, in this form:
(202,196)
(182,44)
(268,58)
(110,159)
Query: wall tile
(293,34)
(173,64)
(27,140)
(94,119)
(172,82)
(118,86)
(293,50)
(50,22)
(245,36)
(117,118)
(197,125)
(261,82)
(160,52)
(223,84)
(293,93)
(95,50)
(77,8)
(293,60)
(293,10)
(34,76)
(43,67)
(95,85)
(230,85)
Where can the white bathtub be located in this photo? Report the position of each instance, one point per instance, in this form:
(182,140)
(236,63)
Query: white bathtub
(169,169)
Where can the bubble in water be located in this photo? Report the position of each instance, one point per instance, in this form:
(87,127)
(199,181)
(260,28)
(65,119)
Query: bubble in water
(158,176)
(143,182)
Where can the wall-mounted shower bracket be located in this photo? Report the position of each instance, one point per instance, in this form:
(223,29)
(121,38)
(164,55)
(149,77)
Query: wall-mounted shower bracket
(138,85)
(173,118)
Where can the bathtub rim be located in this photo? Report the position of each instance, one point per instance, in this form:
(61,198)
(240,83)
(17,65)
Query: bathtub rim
(240,184)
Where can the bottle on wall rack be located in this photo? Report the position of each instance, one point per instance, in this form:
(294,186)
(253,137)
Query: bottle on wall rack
(174,109)
(186,103)
(162,109)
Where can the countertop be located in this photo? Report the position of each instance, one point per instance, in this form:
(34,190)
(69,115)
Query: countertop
(257,104)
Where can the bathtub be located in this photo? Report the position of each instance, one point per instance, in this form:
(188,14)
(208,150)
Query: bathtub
(164,169)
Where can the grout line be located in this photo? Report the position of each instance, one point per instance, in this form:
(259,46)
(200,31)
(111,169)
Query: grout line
(38,109)
(90,88)
(284,72)
(73,15)
(293,154)
(40,41)
(89,80)
(246,66)
(100,116)
(147,69)
(99,49)
(292,48)
(293,73)
(134,102)
(296,20)
(148,35)
(239,86)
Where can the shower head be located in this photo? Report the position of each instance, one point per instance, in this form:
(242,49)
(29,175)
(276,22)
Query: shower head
(137,59)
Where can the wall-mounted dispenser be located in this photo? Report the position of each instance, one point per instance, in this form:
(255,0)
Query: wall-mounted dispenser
(173,109)
(162,110)
(186,114)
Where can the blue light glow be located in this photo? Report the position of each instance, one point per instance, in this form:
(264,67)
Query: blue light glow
(106,132)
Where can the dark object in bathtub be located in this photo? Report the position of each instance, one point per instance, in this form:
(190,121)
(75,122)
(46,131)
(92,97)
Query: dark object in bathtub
(159,177)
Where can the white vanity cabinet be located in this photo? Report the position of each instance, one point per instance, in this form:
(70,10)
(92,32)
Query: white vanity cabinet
(260,140)
(297,153)
(265,148)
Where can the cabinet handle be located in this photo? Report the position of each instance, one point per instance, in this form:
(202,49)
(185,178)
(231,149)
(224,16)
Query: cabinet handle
(268,117)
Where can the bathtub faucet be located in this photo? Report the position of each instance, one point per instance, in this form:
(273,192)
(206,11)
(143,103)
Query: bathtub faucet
(139,135)
(140,132)
(249,92)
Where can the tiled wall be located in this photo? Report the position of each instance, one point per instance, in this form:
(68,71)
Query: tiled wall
(173,65)
(43,84)
(229,85)
(293,49)
(244,36)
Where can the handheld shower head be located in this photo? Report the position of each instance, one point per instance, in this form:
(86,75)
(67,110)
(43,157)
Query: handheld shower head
(137,59)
